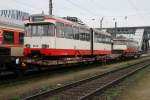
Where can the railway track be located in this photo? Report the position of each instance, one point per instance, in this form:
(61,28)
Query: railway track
(86,89)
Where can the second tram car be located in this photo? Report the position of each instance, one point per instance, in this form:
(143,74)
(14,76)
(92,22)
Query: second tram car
(126,47)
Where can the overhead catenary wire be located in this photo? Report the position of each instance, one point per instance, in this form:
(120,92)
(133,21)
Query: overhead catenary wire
(82,8)
(92,13)
(26,5)
(85,9)
(137,11)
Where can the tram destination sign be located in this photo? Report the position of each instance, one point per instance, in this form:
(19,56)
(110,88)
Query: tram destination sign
(37,18)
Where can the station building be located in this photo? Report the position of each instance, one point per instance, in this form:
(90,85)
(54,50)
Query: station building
(12,18)
(13,14)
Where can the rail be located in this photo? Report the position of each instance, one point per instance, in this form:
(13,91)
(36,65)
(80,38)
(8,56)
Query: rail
(85,89)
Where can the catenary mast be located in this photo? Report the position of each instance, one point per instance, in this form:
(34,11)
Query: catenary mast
(50,7)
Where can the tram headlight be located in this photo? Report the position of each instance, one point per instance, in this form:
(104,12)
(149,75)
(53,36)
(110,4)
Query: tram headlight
(27,45)
(45,46)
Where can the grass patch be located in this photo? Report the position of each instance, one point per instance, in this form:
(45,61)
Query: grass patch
(115,91)
(15,98)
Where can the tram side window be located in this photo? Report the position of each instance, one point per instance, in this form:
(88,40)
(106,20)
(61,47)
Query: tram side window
(51,30)
(21,38)
(103,38)
(96,37)
(84,35)
(60,30)
(120,42)
(99,38)
(81,34)
(28,30)
(8,37)
(68,32)
(76,33)
(108,39)
(87,38)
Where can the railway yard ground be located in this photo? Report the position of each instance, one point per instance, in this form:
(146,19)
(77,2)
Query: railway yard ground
(67,52)
(21,89)
(135,87)
(139,89)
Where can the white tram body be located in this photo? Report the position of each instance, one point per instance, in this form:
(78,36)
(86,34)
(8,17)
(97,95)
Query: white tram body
(53,36)
(102,42)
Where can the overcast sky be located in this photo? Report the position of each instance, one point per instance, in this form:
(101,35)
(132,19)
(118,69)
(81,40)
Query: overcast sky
(137,11)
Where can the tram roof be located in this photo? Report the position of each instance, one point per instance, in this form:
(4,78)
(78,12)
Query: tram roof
(101,32)
(61,19)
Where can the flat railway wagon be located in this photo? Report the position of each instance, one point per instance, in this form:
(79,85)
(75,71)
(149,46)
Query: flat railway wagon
(51,40)
(11,46)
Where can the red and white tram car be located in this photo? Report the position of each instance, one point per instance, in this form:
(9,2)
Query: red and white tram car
(126,47)
(57,37)
(11,45)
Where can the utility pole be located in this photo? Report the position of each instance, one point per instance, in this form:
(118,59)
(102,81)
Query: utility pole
(50,7)
(115,29)
(114,34)
(101,23)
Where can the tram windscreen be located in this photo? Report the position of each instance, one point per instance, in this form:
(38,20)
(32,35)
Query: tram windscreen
(120,42)
(39,29)
(8,37)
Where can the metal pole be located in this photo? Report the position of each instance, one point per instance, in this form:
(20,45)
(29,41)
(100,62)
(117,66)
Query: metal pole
(101,23)
(115,29)
(50,7)
(93,22)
